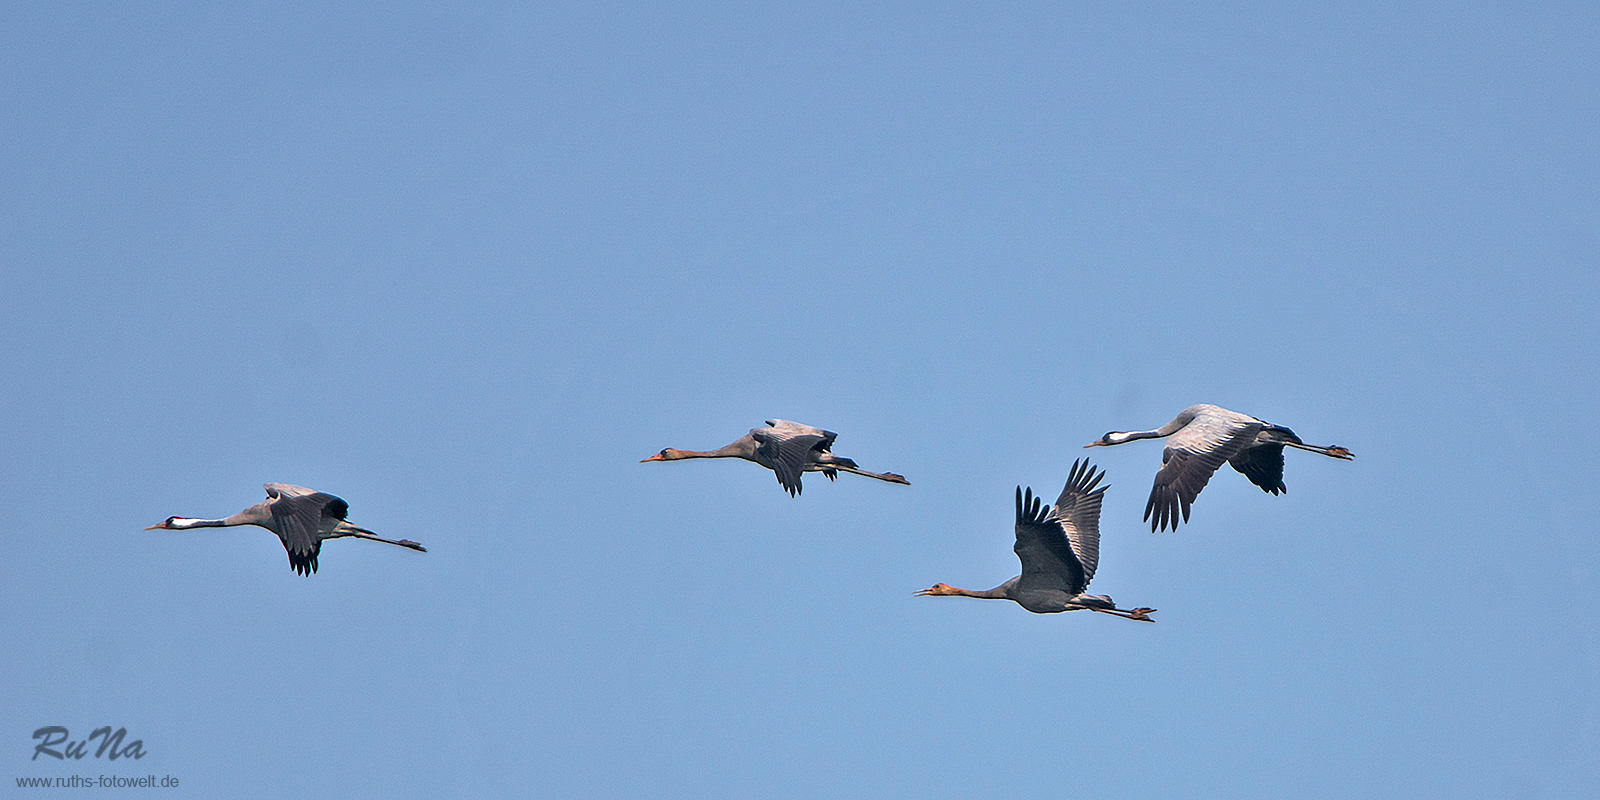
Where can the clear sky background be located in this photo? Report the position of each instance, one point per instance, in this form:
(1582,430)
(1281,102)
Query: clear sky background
(465,266)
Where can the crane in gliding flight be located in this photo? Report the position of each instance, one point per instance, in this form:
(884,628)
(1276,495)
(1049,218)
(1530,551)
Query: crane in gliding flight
(788,449)
(302,519)
(1200,440)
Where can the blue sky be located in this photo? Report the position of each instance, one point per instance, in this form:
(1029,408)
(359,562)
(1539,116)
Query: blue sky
(464,266)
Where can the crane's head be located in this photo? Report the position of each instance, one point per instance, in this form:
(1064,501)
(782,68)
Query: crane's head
(939,590)
(170,524)
(668,454)
(1114,437)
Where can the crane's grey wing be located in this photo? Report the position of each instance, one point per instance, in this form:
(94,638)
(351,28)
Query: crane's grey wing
(298,521)
(1188,461)
(787,428)
(277,490)
(1077,511)
(786,451)
(1048,561)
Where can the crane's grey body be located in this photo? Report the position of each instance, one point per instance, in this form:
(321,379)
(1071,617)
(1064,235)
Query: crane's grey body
(787,448)
(302,518)
(1059,549)
(1199,441)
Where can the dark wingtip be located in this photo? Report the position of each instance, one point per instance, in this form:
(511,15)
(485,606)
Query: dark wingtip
(304,564)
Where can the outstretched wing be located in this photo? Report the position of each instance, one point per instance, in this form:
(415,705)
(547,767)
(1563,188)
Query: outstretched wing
(1188,461)
(1048,561)
(277,490)
(298,518)
(787,449)
(1077,511)
(797,429)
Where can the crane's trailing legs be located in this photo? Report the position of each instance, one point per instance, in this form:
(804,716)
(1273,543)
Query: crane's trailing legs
(1140,614)
(1331,450)
(1092,602)
(362,533)
(830,469)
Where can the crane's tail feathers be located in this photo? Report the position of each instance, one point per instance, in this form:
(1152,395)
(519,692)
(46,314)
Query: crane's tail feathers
(1332,450)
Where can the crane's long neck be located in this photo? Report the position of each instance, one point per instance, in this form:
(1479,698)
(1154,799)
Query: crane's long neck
(1001,592)
(253,515)
(738,449)
(1120,437)
(184,523)
(721,452)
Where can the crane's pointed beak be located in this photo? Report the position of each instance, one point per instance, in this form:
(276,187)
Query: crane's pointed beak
(1091,444)
(656,457)
(161,526)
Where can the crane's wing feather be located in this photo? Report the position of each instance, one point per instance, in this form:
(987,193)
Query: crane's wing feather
(1077,511)
(1188,461)
(277,490)
(298,520)
(1048,561)
(786,451)
(1263,465)
(787,428)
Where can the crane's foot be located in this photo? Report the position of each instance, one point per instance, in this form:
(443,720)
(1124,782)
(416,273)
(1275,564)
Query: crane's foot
(1340,452)
(1140,614)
